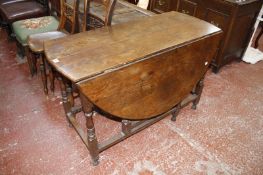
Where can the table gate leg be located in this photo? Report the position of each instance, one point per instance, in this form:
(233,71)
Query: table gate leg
(92,139)
(65,100)
(72,112)
(198,92)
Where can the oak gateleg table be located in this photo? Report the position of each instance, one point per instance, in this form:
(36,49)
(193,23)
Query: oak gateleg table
(138,71)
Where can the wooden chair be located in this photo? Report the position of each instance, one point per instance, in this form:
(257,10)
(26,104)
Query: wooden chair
(5,2)
(15,10)
(99,16)
(69,15)
(26,27)
(90,18)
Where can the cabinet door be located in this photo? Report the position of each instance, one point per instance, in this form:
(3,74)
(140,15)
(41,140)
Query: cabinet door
(187,7)
(217,18)
(221,20)
(160,6)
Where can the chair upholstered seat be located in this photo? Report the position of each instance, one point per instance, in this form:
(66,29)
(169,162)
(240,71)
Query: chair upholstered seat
(22,10)
(36,41)
(27,27)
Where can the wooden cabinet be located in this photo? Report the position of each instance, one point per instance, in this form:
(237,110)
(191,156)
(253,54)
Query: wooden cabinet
(187,7)
(216,18)
(160,6)
(236,19)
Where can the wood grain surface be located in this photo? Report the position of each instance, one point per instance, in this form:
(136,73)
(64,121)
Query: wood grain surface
(140,69)
(154,86)
(87,54)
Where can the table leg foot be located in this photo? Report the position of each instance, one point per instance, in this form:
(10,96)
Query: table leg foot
(176,112)
(126,126)
(95,162)
(215,69)
(198,92)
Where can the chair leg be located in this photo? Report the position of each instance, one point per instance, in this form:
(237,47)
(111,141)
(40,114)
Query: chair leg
(30,61)
(51,74)
(9,31)
(198,92)
(43,73)
(34,62)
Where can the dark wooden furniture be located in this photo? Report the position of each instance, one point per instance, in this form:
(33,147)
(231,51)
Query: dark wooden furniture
(5,2)
(235,18)
(97,20)
(68,15)
(136,75)
(11,12)
(123,11)
(23,28)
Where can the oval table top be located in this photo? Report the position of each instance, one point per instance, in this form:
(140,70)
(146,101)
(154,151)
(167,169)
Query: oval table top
(139,69)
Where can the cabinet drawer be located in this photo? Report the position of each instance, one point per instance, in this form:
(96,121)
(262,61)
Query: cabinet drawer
(217,18)
(160,6)
(187,7)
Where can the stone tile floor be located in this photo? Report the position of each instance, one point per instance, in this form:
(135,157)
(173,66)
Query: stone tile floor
(223,136)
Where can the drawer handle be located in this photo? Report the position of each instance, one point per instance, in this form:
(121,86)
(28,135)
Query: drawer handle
(161,2)
(214,23)
(185,11)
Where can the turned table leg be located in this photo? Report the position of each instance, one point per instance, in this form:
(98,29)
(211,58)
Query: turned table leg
(70,98)
(65,99)
(91,136)
(198,92)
